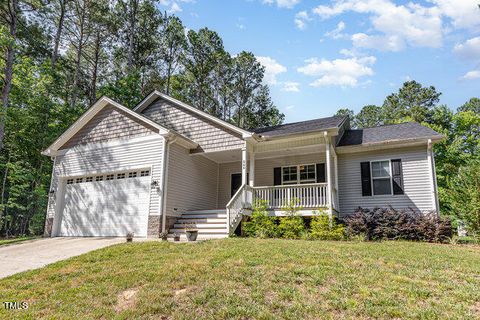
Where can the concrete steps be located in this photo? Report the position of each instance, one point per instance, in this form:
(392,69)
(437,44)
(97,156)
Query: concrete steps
(211,224)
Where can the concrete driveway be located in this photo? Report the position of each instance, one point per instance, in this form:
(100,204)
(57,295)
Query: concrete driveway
(34,254)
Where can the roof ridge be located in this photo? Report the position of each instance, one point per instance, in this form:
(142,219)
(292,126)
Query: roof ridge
(386,125)
(297,122)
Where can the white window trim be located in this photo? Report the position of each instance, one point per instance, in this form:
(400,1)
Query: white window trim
(372,178)
(299,181)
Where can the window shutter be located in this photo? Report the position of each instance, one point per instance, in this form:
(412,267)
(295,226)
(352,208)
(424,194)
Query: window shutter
(321,173)
(397,176)
(366,181)
(277,176)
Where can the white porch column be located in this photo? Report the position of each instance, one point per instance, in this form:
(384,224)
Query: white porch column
(244,164)
(251,173)
(329,173)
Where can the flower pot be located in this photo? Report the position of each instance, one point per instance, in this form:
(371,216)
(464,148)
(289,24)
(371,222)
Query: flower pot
(192,235)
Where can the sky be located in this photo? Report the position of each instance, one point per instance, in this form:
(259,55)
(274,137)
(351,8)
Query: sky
(324,55)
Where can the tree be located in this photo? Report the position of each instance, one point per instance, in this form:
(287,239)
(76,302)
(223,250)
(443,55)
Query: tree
(173,43)
(11,10)
(369,116)
(265,113)
(464,195)
(247,79)
(472,105)
(413,102)
(345,112)
(200,59)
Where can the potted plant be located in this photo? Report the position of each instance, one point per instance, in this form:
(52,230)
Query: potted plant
(176,236)
(163,236)
(191,231)
(130,237)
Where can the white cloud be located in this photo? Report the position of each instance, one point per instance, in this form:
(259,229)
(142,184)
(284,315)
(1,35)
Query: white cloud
(471,75)
(396,25)
(283,3)
(383,43)
(338,72)
(174,5)
(301,19)
(470,49)
(337,32)
(272,69)
(291,86)
(241,26)
(462,13)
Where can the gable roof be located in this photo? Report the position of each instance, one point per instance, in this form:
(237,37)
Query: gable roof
(388,133)
(156,94)
(94,110)
(314,125)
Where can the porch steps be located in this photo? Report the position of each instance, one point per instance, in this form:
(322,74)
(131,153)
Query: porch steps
(211,224)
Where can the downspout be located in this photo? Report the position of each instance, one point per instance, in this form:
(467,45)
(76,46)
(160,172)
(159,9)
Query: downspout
(50,196)
(163,201)
(433,176)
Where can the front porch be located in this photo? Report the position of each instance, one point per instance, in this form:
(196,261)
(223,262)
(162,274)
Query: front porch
(279,171)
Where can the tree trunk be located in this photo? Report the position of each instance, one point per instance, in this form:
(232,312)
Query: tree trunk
(79,54)
(8,71)
(131,37)
(58,34)
(96,58)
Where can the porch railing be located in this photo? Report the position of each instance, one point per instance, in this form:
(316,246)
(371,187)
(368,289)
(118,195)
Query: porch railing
(240,204)
(312,195)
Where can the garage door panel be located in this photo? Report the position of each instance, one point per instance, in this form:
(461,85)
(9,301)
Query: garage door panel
(106,208)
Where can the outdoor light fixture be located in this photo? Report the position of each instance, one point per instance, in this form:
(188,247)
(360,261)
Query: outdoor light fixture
(154,183)
(51,192)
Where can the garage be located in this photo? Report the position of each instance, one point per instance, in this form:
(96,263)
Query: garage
(108,205)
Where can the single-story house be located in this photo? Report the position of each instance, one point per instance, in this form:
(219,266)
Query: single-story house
(166,163)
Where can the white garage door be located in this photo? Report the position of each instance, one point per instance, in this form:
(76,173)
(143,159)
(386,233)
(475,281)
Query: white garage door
(106,205)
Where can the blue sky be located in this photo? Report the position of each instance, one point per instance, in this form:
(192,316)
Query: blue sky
(324,55)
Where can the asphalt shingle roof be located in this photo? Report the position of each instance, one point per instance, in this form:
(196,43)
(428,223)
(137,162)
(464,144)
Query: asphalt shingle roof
(402,131)
(301,127)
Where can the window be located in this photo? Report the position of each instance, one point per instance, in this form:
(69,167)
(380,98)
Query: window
(121,176)
(70,181)
(289,175)
(89,179)
(381,177)
(132,174)
(305,173)
(79,180)
(109,177)
(99,178)
(144,173)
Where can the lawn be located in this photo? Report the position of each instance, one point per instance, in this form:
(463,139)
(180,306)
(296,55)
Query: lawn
(14,240)
(252,278)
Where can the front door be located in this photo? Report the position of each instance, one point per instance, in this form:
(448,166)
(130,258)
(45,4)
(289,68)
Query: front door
(235,183)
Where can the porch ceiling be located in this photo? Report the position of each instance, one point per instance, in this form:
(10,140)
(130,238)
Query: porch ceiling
(236,155)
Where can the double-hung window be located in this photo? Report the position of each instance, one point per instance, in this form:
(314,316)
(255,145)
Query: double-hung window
(381,177)
(299,174)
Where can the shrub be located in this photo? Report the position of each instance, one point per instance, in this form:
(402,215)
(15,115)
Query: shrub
(391,224)
(261,224)
(463,196)
(292,225)
(324,228)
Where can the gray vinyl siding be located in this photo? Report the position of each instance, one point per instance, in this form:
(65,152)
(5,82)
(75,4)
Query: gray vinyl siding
(147,153)
(263,171)
(109,123)
(416,175)
(209,135)
(192,181)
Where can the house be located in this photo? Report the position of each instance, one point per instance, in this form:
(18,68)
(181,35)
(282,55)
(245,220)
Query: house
(166,163)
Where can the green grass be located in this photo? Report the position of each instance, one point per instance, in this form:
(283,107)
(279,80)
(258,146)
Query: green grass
(252,278)
(15,240)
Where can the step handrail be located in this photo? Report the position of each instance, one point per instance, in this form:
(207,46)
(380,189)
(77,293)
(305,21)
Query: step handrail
(241,200)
